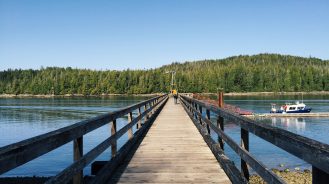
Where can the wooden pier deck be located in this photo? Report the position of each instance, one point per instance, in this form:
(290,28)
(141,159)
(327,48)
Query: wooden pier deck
(173,151)
(173,144)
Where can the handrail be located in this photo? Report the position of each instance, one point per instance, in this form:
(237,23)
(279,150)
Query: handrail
(16,154)
(311,151)
(67,173)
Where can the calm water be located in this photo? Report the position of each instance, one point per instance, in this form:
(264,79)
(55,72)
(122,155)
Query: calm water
(28,117)
(23,118)
(272,156)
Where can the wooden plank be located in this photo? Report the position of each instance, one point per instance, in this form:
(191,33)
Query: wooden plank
(232,172)
(114,143)
(264,172)
(302,147)
(130,131)
(220,124)
(173,178)
(173,151)
(139,125)
(107,171)
(319,176)
(208,117)
(244,145)
(78,165)
(77,154)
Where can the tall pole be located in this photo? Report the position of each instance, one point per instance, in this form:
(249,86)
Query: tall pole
(172,81)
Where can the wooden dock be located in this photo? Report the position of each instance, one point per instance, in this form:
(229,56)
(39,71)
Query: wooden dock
(172,143)
(173,151)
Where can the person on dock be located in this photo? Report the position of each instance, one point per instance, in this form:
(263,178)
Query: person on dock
(175,94)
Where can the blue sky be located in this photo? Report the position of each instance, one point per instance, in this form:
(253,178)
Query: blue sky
(138,34)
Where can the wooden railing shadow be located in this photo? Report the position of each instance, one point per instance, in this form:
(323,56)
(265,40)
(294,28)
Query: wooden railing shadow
(17,154)
(311,151)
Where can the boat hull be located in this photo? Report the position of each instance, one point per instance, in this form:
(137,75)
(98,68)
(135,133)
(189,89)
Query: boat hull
(306,110)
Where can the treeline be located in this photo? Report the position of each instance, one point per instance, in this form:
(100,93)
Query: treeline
(263,72)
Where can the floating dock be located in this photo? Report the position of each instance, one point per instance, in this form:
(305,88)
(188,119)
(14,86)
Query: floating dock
(319,114)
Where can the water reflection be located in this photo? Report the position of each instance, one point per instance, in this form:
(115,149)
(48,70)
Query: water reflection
(297,124)
(23,118)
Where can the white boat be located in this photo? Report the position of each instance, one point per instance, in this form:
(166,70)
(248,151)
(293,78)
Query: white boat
(291,108)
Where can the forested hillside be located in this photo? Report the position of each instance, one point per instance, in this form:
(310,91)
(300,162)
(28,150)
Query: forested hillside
(263,72)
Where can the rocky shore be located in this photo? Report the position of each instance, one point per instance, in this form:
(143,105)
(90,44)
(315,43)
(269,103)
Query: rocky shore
(291,177)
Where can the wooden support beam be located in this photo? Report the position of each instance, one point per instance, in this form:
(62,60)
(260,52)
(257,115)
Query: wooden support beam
(196,107)
(108,169)
(220,99)
(139,124)
(77,154)
(130,131)
(147,115)
(244,145)
(319,176)
(264,172)
(150,106)
(220,124)
(230,169)
(208,117)
(200,117)
(114,143)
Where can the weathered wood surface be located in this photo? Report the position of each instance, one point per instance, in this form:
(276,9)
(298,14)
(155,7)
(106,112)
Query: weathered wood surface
(110,167)
(228,166)
(16,154)
(173,151)
(264,172)
(302,147)
(78,165)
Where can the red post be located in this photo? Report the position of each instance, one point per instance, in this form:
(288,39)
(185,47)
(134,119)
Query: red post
(220,99)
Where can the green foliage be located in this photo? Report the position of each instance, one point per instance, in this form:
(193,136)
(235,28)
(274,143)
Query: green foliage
(263,72)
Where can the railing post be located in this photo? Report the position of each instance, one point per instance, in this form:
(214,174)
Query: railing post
(130,131)
(220,99)
(147,114)
(151,111)
(114,144)
(220,124)
(77,154)
(190,104)
(208,117)
(139,125)
(196,110)
(319,176)
(244,145)
(190,108)
(200,110)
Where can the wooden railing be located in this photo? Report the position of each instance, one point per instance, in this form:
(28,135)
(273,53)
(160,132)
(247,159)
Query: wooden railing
(311,151)
(16,154)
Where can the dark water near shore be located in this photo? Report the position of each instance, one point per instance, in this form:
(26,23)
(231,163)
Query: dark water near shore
(23,118)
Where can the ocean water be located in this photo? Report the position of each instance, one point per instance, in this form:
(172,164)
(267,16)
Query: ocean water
(22,118)
(316,128)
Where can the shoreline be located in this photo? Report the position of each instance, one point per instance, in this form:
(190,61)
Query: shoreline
(277,93)
(272,93)
(154,94)
(288,176)
(71,95)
